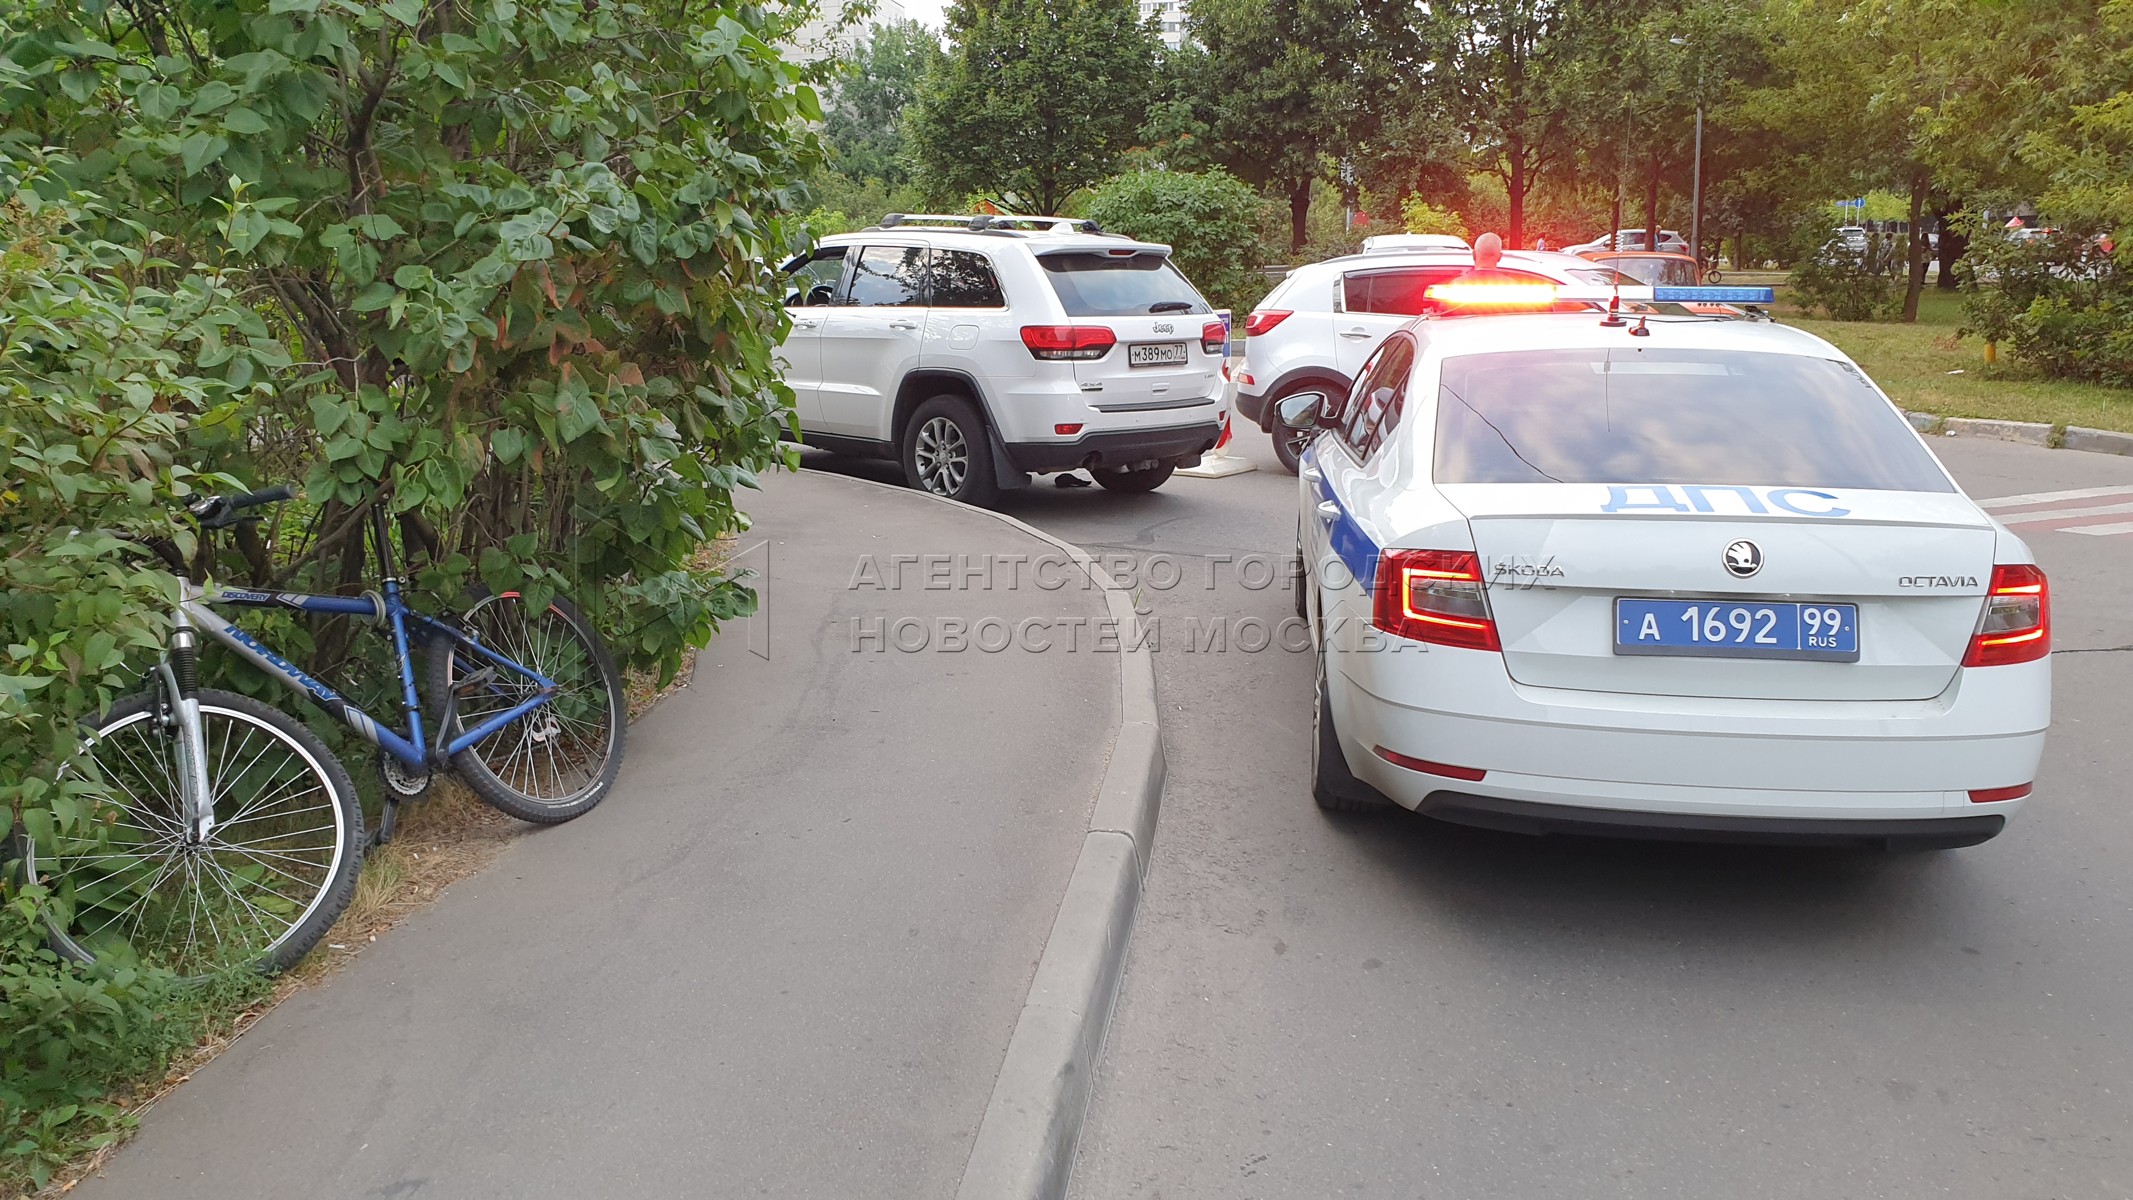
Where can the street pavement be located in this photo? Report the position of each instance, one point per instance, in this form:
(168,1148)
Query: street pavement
(783,958)
(1387,1006)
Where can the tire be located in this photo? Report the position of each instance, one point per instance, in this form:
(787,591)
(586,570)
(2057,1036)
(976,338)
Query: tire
(516,769)
(1147,479)
(946,452)
(1333,785)
(291,872)
(1714,276)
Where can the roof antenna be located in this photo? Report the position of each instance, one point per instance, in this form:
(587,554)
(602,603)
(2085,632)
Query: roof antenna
(1613,319)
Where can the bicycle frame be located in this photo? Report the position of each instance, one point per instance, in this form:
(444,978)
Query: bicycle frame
(196,612)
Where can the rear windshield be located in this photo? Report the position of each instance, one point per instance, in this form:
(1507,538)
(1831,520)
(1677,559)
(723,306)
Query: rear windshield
(1672,416)
(1658,272)
(1104,285)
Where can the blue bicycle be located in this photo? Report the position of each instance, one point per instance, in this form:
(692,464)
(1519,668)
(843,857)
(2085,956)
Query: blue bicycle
(229,833)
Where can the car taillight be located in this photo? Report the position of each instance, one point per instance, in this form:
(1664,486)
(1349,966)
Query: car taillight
(2017,625)
(1214,337)
(1264,320)
(1068,341)
(1434,596)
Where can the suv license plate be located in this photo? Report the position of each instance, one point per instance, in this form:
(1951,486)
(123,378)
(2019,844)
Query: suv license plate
(1737,629)
(1156,354)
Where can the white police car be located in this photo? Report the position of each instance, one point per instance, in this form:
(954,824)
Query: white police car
(1657,575)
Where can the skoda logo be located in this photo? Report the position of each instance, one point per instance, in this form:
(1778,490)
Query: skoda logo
(1744,558)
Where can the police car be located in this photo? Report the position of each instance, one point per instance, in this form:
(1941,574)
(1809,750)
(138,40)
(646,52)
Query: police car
(1597,564)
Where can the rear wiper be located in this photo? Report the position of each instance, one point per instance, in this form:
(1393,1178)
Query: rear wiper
(1163,306)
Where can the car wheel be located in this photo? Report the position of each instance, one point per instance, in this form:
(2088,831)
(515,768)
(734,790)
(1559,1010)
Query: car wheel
(1146,479)
(946,452)
(1333,785)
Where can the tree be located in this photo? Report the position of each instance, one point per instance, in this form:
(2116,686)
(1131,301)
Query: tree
(519,249)
(1034,97)
(1294,88)
(1210,221)
(863,125)
(1503,65)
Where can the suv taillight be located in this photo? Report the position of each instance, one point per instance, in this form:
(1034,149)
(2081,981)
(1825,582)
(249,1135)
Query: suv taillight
(1068,341)
(1434,596)
(2017,625)
(1214,337)
(1264,320)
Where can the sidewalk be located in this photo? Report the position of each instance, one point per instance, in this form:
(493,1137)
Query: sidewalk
(784,958)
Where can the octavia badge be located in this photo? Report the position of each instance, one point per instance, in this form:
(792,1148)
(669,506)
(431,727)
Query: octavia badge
(1744,558)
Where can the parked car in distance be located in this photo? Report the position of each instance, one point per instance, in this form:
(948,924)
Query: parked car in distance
(980,351)
(1393,243)
(1632,239)
(1659,268)
(1321,321)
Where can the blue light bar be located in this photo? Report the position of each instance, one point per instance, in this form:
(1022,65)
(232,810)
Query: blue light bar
(1714,295)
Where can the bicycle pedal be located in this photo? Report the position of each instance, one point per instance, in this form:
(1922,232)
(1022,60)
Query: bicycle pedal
(475,681)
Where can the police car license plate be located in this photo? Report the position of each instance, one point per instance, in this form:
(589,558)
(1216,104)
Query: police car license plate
(1156,354)
(1737,629)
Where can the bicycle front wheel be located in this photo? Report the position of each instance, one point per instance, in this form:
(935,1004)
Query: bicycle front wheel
(559,760)
(134,882)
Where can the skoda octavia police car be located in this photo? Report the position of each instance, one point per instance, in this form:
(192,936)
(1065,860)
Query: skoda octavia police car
(1657,574)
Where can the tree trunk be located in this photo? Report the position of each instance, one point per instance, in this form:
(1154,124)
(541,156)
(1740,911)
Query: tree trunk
(1515,191)
(1952,247)
(1915,277)
(1299,213)
(1651,207)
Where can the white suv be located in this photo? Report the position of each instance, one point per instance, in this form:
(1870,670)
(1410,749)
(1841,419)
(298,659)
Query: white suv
(980,351)
(1323,319)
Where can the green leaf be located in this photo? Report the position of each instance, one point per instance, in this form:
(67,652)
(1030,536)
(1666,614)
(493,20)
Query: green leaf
(508,444)
(413,277)
(377,225)
(328,413)
(201,149)
(407,12)
(374,297)
(211,96)
(244,121)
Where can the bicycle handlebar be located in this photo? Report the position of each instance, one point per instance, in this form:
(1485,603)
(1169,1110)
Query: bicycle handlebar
(214,512)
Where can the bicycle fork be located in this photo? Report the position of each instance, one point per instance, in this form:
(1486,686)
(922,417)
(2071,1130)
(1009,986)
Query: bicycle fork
(180,668)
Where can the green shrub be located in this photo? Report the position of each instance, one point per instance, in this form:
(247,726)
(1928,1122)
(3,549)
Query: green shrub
(1210,220)
(1420,216)
(1847,286)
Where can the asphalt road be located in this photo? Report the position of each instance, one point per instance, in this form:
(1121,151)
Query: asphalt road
(1392,1007)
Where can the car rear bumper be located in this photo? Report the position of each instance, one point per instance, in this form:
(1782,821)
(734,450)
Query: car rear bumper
(1640,762)
(1116,447)
(1525,816)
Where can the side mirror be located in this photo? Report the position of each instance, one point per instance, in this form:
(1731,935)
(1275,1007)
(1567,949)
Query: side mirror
(1300,411)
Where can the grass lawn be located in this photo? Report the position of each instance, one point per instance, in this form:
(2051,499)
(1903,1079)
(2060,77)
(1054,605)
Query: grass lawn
(1913,364)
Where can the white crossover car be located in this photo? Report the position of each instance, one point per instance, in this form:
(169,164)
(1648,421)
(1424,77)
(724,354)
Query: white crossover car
(1677,576)
(981,350)
(1324,318)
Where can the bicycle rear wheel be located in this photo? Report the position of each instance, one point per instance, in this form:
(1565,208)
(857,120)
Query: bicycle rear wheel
(279,865)
(559,760)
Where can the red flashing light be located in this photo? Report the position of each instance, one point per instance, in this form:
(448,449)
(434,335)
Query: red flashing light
(1434,596)
(1264,321)
(1493,295)
(1999,795)
(2017,625)
(1470,774)
(1057,342)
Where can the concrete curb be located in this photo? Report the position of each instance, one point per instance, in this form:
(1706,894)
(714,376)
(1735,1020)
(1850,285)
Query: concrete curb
(1025,1145)
(2029,433)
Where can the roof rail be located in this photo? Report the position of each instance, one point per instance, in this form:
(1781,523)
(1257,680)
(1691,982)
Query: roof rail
(982,221)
